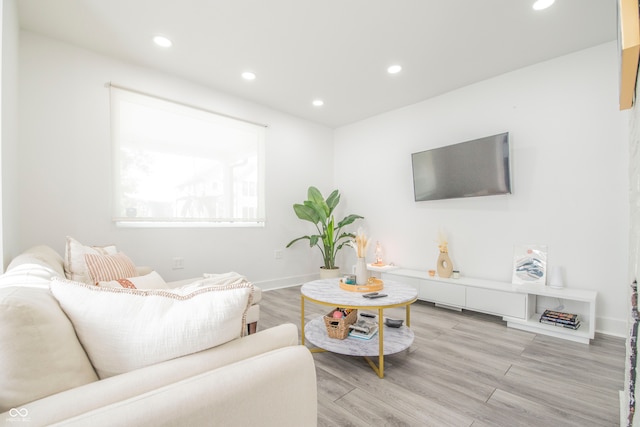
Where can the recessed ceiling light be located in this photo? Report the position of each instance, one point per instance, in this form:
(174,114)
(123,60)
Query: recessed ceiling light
(162,41)
(318,102)
(542,4)
(248,75)
(394,69)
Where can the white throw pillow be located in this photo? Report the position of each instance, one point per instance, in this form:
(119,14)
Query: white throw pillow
(126,329)
(75,266)
(149,281)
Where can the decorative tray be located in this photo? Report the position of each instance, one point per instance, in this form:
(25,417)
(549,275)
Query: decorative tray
(373,284)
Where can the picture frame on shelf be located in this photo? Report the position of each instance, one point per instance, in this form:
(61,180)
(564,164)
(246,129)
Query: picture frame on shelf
(529,265)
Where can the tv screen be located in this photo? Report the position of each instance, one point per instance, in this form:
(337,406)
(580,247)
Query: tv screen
(480,167)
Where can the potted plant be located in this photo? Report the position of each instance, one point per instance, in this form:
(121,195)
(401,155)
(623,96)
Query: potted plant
(330,237)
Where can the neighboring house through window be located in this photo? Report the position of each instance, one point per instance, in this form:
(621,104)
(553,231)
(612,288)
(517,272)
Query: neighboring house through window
(178,165)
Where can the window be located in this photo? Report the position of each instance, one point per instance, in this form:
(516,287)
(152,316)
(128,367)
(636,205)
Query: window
(177,165)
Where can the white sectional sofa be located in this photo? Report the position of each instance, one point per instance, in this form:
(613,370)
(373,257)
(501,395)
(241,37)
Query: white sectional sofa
(48,377)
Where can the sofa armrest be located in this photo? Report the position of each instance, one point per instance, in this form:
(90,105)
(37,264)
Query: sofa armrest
(183,282)
(143,270)
(101,393)
(273,389)
(34,267)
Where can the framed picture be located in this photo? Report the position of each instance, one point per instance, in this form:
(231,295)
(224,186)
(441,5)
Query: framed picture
(629,50)
(529,264)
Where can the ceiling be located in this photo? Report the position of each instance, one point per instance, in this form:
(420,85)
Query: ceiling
(335,50)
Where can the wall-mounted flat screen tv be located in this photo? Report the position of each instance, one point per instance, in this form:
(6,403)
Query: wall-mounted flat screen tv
(480,167)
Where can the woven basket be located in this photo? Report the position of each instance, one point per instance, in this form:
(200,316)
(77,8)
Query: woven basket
(339,328)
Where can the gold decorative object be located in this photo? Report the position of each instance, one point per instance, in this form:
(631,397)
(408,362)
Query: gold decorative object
(444,264)
(629,45)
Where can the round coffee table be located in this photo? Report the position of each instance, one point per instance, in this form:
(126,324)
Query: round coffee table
(387,341)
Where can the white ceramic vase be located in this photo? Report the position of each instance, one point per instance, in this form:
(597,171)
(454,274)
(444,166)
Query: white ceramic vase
(362,275)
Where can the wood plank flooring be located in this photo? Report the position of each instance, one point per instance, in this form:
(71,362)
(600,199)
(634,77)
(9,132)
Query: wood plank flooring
(463,369)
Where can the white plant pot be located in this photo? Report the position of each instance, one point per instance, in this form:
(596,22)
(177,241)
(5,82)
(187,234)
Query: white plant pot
(329,273)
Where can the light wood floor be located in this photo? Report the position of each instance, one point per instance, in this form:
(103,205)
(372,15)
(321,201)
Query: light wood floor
(464,369)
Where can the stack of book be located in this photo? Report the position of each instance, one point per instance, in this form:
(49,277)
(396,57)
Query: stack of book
(558,318)
(363,329)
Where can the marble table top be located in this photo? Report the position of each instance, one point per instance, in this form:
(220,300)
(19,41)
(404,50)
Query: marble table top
(328,291)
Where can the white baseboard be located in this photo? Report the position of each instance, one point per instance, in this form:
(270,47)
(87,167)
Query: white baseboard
(286,282)
(613,327)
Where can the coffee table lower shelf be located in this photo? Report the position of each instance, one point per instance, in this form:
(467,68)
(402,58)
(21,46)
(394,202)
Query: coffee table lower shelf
(395,340)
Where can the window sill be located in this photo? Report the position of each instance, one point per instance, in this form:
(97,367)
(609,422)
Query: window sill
(187,224)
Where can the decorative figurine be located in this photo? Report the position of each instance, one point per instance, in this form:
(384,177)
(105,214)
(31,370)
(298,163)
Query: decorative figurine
(444,264)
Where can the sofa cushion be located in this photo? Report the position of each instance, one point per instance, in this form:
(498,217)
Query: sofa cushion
(75,265)
(149,281)
(126,329)
(39,352)
(109,267)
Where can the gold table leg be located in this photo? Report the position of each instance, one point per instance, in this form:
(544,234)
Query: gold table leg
(302,319)
(379,369)
(381,344)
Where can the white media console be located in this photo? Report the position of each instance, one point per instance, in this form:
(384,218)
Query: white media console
(519,305)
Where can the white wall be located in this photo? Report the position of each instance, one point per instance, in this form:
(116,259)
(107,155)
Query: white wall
(9,128)
(65,168)
(570,175)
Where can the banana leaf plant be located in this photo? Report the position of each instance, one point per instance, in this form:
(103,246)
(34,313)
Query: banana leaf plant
(330,237)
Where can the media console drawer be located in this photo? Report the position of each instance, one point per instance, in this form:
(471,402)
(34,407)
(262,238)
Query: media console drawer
(443,293)
(497,302)
(433,291)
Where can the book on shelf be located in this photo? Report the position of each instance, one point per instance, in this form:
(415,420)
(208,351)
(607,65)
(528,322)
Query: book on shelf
(558,318)
(562,321)
(363,329)
(561,325)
